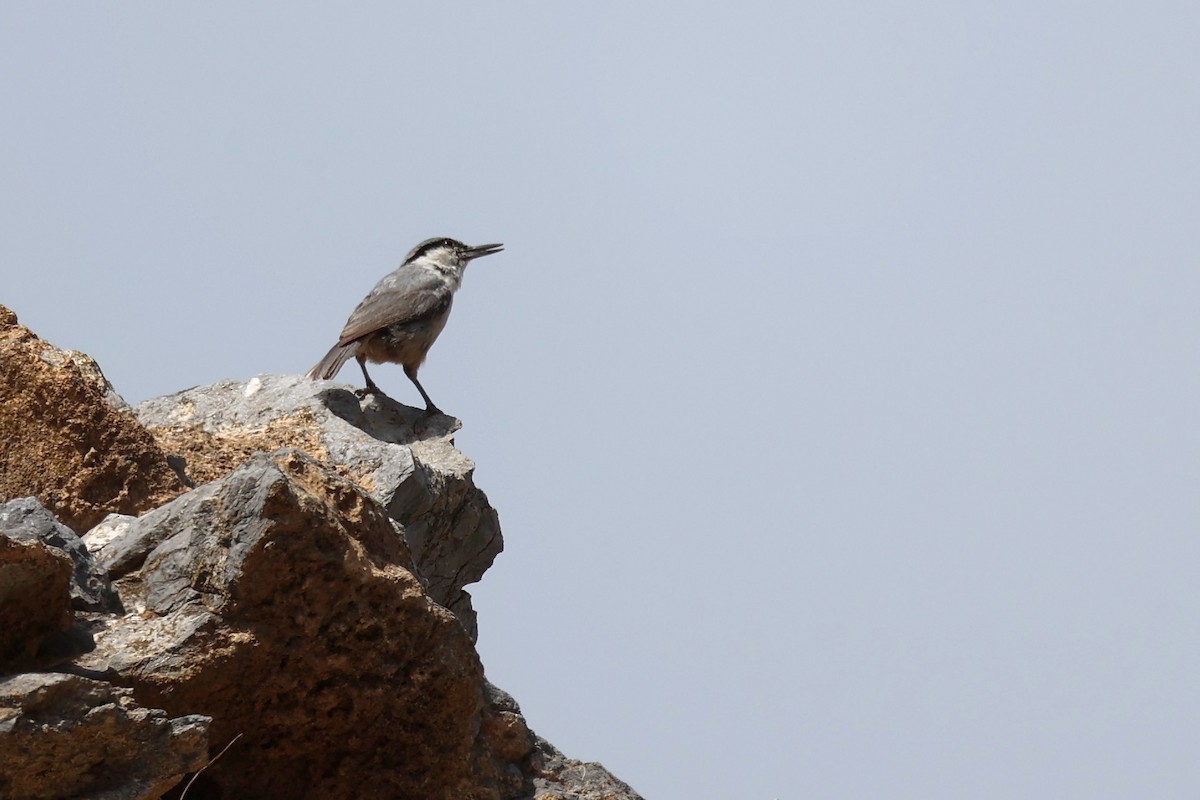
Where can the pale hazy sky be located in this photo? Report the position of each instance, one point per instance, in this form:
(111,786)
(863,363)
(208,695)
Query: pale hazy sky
(837,388)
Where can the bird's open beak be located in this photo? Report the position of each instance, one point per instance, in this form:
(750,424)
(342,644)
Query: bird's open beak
(483,250)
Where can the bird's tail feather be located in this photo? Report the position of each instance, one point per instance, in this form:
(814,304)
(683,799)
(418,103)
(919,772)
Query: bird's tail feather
(328,366)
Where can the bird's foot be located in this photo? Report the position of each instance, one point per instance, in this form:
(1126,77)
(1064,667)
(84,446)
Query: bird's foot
(367,391)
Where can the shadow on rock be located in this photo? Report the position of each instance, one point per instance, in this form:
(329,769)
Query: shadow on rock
(385,419)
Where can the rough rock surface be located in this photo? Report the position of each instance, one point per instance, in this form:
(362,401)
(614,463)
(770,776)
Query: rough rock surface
(406,461)
(35,600)
(66,736)
(283,604)
(298,597)
(109,528)
(554,776)
(27,520)
(65,442)
(557,777)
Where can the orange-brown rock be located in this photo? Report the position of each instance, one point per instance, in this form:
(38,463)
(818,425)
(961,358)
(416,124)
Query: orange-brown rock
(35,599)
(67,736)
(283,605)
(64,442)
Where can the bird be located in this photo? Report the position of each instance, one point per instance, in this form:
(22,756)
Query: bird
(400,319)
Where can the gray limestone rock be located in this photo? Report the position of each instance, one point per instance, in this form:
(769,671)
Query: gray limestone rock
(27,520)
(281,601)
(403,459)
(557,777)
(109,528)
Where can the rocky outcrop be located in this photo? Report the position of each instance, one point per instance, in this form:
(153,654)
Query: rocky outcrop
(27,520)
(66,736)
(557,777)
(66,439)
(306,595)
(402,459)
(283,603)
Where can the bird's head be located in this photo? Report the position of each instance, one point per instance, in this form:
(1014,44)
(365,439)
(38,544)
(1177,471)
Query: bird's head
(449,254)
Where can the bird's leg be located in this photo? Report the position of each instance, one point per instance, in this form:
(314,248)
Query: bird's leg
(371,387)
(430,408)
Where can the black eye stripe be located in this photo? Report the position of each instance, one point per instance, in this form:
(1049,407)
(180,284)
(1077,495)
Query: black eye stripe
(432,244)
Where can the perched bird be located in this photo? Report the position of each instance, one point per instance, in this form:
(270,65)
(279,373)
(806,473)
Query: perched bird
(402,316)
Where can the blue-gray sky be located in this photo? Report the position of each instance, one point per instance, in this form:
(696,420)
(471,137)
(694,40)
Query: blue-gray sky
(837,388)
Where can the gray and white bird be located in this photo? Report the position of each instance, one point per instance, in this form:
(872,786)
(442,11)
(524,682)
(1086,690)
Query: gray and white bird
(402,316)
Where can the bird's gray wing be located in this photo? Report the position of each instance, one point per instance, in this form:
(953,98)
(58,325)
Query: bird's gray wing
(400,298)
